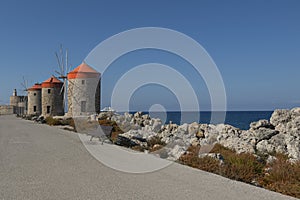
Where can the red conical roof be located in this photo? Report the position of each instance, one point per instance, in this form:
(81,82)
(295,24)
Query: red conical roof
(83,71)
(51,82)
(36,86)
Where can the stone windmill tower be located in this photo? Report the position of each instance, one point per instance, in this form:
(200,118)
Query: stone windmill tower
(35,100)
(14,99)
(52,97)
(18,102)
(83,91)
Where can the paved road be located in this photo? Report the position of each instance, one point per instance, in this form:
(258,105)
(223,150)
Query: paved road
(42,162)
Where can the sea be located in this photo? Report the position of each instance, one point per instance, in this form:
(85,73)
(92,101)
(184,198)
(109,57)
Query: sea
(239,119)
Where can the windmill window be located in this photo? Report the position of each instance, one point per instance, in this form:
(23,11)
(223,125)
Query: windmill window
(83,106)
(34,94)
(34,108)
(49,91)
(82,82)
(48,109)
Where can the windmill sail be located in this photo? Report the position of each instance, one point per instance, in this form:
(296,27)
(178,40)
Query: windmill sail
(21,102)
(64,67)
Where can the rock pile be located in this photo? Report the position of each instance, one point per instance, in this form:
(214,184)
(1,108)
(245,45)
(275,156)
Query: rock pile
(281,134)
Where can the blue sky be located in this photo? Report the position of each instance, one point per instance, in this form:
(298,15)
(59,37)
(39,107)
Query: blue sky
(255,44)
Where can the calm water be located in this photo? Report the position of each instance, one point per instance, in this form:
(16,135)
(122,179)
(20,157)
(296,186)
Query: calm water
(239,119)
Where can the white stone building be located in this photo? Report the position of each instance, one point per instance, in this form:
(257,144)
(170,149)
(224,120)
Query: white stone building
(83,91)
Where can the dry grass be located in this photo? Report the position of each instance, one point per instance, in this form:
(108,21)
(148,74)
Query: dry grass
(61,122)
(282,176)
(241,167)
(53,122)
(207,163)
(155,144)
(138,148)
(71,122)
(116,129)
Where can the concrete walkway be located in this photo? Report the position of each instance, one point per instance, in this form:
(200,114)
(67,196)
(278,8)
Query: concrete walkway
(43,162)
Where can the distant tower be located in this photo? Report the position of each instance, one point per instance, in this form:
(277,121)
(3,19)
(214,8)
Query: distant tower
(14,99)
(15,93)
(52,97)
(35,100)
(83,91)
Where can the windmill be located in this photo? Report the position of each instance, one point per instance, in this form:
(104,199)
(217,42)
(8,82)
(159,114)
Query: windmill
(24,85)
(64,68)
(23,100)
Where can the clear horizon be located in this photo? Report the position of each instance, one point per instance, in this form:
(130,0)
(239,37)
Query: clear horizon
(255,45)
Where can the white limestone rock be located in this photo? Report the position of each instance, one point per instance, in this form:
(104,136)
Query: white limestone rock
(261,124)
(280,117)
(193,128)
(176,152)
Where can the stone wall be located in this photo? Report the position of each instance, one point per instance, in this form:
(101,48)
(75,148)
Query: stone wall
(6,110)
